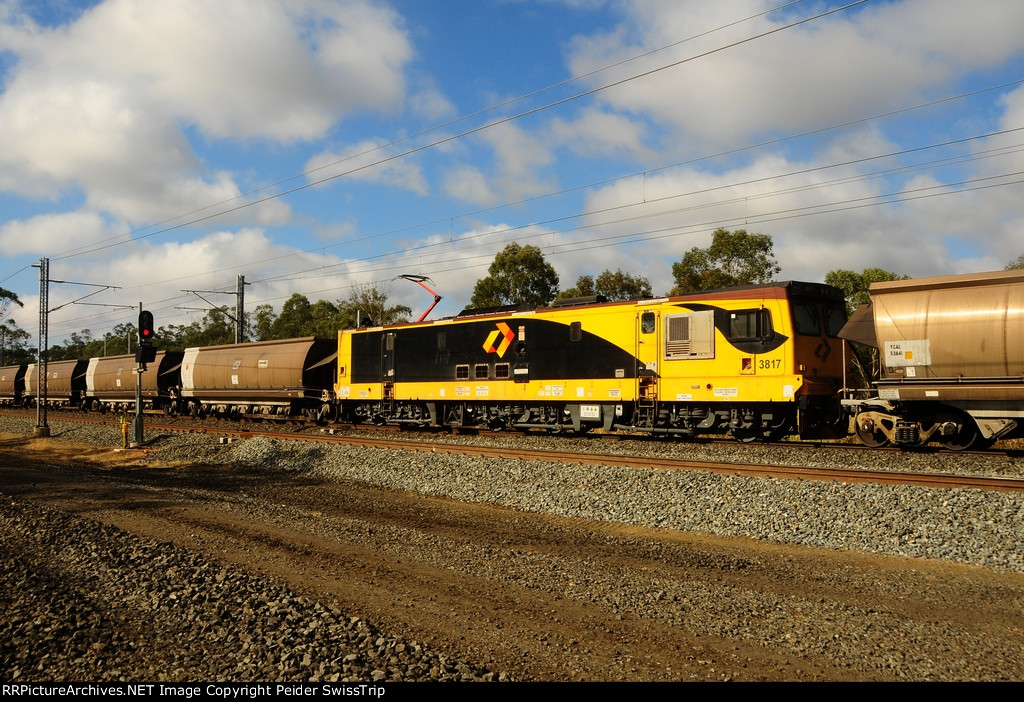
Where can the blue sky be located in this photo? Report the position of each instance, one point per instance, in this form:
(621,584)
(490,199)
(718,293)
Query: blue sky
(852,138)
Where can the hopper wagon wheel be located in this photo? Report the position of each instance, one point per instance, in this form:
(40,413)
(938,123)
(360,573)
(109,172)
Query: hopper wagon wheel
(966,437)
(868,434)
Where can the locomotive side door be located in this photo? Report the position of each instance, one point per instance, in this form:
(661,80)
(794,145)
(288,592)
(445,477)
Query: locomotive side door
(387,370)
(648,343)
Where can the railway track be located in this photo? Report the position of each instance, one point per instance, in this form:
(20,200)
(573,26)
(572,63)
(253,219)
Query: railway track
(393,440)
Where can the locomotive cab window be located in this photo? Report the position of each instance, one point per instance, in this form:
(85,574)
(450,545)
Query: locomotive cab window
(648,322)
(835,319)
(576,331)
(750,325)
(805,319)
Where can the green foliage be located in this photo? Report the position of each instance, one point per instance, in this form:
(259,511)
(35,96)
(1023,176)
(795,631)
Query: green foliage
(614,286)
(1015,264)
(734,258)
(298,318)
(16,345)
(367,305)
(855,285)
(6,299)
(295,320)
(261,321)
(584,288)
(518,275)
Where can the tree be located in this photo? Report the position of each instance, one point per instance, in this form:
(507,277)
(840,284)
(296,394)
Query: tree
(855,285)
(324,319)
(295,320)
(14,348)
(368,305)
(734,258)
(613,286)
(1015,264)
(261,321)
(216,329)
(6,298)
(518,275)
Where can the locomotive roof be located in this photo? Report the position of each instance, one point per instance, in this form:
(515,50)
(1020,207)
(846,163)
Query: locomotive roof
(774,290)
(782,289)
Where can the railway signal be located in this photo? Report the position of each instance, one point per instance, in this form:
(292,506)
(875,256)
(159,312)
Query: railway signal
(146,352)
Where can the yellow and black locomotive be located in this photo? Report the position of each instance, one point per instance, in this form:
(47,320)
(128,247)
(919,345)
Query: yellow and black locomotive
(755,362)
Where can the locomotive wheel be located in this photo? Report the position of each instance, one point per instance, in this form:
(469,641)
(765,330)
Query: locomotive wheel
(870,436)
(328,413)
(747,436)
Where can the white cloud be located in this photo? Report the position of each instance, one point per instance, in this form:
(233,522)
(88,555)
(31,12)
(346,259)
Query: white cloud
(432,104)
(521,160)
(53,232)
(157,275)
(469,184)
(371,161)
(102,104)
(828,71)
(596,133)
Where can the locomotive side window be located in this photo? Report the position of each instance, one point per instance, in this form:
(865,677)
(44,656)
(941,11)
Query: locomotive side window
(576,331)
(835,319)
(462,372)
(805,319)
(481,371)
(501,371)
(750,325)
(442,341)
(647,322)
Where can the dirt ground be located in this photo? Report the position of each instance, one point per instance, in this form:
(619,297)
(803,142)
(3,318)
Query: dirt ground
(538,596)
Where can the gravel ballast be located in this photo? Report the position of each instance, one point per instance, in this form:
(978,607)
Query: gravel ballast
(86,597)
(962,525)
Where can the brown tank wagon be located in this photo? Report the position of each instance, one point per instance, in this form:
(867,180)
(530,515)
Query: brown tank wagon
(952,358)
(12,385)
(110,382)
(65,384)
(268,378)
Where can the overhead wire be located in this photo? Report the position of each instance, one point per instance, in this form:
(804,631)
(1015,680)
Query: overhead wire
(309,272)
(444,140)
(354,268)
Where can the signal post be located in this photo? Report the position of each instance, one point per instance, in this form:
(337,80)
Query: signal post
(145,353)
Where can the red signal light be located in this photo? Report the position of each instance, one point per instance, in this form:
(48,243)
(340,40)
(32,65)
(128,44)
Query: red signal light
(145,325)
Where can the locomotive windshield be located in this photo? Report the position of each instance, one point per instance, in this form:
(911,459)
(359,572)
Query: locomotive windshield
(805,319)
(835,319)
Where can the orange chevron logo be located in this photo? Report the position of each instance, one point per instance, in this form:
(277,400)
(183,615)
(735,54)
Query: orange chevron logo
(505,333)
